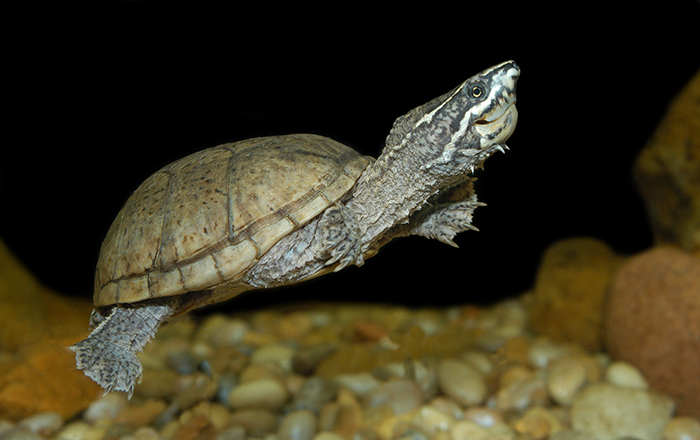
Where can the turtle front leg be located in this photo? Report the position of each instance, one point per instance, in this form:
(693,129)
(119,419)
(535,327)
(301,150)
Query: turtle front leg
(108,355)
(338,235)
(445,215)
(443,221)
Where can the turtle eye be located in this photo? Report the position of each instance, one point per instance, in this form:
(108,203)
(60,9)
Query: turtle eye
(477,90)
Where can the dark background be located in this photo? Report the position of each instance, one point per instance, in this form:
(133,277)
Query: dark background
(102,94)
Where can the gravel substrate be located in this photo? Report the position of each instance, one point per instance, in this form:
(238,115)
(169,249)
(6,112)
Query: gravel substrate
(365,372)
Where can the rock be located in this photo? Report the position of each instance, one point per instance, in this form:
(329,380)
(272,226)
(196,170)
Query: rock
(305,360)
(297,425)
(484,417)
(263,394)
(44,378)
(682,428)
(141,414)
(625,375)
(652,321)
(537,423)
(565,434)
(521,389)
(45,424)
(328,436)
(293,326)
(73,431)
(20,434)
(254,421)
(361,384)
(314,393)
(606,411)
(431,420)
(461,382)
(666,172)
(220,331)
(277,354)
(565,378)
(401,396)
(570,290)
(197,428)
(38,374)
(105,408)
(467,430)
(32,313)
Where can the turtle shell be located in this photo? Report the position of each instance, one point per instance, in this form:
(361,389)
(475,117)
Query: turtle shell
(204,220)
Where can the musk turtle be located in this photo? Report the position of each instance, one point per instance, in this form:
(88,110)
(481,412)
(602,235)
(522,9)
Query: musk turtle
(270,211)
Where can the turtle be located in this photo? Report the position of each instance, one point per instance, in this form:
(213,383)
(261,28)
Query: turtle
(271,211)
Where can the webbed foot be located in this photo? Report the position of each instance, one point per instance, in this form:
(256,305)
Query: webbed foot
(108,355)
(448,215)
(339,236)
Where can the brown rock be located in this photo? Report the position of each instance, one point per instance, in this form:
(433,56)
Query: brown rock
(37,325)
(667,172)
(652,321)
(44,378)
(570,290)
(31,312)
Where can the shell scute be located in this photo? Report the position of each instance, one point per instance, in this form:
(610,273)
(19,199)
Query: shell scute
(204,220)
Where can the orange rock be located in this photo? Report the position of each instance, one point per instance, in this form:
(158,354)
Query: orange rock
(44,378)
(666,172)
(652,321)
(367,331)
(37,325)
(570,289)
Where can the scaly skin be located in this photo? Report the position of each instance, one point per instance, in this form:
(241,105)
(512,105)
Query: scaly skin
(419,185)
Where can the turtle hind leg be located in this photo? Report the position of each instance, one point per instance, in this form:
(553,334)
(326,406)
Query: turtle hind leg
(108,355)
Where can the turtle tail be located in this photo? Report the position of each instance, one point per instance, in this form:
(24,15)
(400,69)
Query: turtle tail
(108,355)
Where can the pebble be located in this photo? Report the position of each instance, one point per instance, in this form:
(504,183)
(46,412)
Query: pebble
(297,425)
(277,354)
(254,420)
(146,433)
(625,375)
(105,408)
(565,377)
(461,382)
(182,361)
(537,423)
(401,396)
(141,414)
(314,393)
(543,351)
(262,393)
(326,435)
(682,428)
(305,360)
(45,424)
(73,431)
(484,417)
(19,433)
(467,430)
(608,411)
(430,419)
(522,393)
(263,383)
(220,331)
(361,384)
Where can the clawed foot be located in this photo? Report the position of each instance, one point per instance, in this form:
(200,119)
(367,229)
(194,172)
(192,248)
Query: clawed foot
(108,355)
(114,368)
(442,222)
(339,237)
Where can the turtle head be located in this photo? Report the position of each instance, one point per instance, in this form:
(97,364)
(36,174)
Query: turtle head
(456,132)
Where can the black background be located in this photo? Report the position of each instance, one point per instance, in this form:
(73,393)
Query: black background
(102,94)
